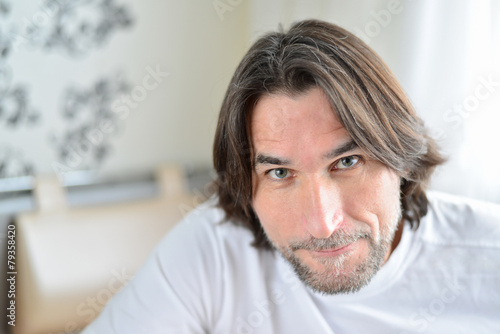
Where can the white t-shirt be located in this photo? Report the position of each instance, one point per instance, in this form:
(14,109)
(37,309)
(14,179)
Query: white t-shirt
(204,277)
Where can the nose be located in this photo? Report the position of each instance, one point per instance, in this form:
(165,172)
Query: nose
(322,210)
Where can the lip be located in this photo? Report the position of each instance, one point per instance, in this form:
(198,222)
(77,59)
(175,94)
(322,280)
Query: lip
(333,251)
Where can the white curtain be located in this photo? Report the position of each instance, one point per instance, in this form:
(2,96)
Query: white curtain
(446,55)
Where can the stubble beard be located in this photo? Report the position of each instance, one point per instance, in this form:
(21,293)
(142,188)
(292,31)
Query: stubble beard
(335,278)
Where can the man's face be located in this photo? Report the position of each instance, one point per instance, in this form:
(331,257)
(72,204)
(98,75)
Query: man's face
(324,204)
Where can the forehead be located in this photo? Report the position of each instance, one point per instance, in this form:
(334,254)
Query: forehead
(304,119)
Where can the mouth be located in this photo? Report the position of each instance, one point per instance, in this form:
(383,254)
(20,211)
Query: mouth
(329,252)
(338,247)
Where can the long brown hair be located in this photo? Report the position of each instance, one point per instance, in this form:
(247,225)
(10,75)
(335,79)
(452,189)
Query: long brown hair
(363,93)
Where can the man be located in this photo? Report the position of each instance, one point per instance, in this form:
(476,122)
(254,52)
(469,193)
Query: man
(320,222)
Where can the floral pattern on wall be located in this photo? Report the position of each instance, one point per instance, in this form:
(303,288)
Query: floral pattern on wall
(90,122)
(74,28)
(15,108)
(78,26)
(13,163)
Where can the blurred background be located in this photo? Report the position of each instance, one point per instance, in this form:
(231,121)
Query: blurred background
(97,95)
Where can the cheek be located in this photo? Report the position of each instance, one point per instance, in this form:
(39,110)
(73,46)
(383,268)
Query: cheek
(374,199)
(277,213)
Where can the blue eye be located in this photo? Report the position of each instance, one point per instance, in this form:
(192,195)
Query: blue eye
(347,162)
(279,173)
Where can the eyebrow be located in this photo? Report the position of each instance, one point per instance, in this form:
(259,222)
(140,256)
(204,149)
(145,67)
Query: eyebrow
(344,148)
(262,159)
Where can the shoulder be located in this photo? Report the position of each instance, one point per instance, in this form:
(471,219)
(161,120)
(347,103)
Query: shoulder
(184,283)
(207,243)
(206,225)
(461,221)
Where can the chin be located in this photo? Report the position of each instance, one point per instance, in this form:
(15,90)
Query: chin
(342,273)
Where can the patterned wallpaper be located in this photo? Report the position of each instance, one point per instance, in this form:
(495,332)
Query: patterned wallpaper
(75,29)
(113,86)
